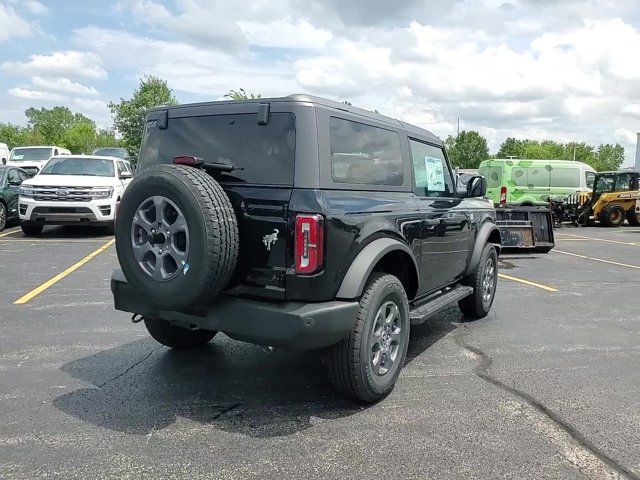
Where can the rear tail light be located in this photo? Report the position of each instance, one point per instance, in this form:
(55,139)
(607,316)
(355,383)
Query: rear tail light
(309,243)
(503,195)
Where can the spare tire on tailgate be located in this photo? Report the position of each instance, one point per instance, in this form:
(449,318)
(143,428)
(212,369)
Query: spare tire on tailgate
(176,236)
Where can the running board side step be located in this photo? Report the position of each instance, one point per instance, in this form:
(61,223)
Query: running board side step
(429,308)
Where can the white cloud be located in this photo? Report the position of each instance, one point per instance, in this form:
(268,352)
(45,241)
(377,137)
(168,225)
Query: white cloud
(13,25)
(63,85)
(72,64)
(35,94)
(35,7)
(285,33)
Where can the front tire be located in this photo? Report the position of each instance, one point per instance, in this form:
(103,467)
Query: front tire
(612,215)
(176,337)
(366,365)
(31,230)
(484,280)
(3,216)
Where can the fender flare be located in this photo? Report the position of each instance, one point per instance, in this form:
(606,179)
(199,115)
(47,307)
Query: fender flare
(482,239)
(356,277)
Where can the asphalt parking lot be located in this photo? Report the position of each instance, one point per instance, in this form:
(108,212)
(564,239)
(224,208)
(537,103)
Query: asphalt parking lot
(547,386)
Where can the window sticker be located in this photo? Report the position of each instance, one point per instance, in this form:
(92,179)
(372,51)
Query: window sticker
(18,157)
(435,174)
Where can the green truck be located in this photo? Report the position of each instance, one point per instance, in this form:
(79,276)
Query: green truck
(532,182)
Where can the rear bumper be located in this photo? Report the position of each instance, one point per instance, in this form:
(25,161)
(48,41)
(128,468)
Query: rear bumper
(289,324)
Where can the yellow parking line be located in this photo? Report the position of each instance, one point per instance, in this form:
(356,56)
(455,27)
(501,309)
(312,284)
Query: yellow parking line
(43,240)
(637,267)
(36,291)
(4,234)
(582,237)
(527,282)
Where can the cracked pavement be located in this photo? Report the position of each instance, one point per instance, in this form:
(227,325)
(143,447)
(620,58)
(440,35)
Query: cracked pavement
(547,386)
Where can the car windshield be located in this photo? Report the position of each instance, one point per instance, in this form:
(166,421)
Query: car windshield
(111,152)
(30,154)
(91,167)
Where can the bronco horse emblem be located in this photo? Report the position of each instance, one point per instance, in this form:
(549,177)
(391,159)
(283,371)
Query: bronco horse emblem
(270,239)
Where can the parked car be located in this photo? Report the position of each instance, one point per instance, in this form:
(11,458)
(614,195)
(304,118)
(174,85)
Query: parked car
(533,182)
(113,152)
(32,159)
(4,153)
(72,190)
(300,222)
(10,180)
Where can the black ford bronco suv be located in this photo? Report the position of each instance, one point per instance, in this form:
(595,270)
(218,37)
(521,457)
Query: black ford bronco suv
(300,222)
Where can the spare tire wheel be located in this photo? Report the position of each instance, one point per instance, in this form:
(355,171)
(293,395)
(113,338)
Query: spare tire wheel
(176,236)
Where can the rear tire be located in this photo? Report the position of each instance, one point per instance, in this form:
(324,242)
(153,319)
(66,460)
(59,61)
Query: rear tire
(31,230)
(633,218)
(612,215)
(366,365)
(484,281)
(176,337)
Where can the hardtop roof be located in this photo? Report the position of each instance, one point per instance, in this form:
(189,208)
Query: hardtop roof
(412,130)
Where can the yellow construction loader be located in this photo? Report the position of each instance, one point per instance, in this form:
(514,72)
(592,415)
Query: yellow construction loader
(615,198)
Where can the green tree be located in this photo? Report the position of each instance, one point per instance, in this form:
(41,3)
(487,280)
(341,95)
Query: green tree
(17,136)
(467,149)
(129,115)
(80,138)
(51,124)
(240,94)
(608,157)
(511,147)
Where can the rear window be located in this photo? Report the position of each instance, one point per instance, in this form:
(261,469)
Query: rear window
(362,154)
(262,154)
(493,176)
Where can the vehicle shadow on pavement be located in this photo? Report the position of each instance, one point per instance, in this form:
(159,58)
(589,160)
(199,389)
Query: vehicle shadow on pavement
(140,387)
(67,232)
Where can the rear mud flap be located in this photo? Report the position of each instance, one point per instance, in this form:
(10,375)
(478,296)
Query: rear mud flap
(525,229)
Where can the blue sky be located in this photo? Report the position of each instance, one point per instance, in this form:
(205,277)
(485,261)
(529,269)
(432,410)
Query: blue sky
(530,69)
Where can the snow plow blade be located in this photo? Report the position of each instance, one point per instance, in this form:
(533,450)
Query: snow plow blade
(525,229)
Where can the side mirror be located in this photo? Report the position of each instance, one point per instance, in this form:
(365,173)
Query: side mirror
(125,175)
(14,183)
(476,187)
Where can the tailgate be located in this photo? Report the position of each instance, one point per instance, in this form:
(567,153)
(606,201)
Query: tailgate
(264,234)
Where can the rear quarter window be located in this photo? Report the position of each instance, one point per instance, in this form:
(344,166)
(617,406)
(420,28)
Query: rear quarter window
(363,154)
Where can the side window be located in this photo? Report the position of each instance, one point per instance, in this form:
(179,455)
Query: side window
(13,177)
(565,177)
(433,178)
(520,176)
(362,154)
(22,175)
(590,177)
(623,182)
(121,168)
(55,152)
(538,177)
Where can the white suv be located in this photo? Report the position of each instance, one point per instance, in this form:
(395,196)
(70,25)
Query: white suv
(73,190)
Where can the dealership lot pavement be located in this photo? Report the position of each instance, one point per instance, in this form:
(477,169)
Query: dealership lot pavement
(547,386)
